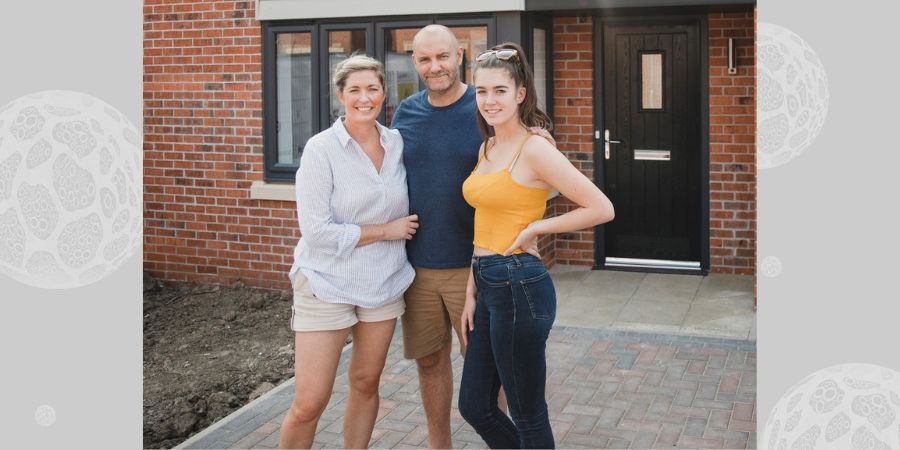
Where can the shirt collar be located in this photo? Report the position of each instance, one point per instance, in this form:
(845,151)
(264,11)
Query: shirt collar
(344,137)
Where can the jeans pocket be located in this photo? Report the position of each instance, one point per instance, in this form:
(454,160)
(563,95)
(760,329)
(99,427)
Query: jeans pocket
(541,296)
(496,275)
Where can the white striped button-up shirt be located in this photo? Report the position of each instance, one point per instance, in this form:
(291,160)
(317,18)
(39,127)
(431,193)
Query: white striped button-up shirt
(338,189)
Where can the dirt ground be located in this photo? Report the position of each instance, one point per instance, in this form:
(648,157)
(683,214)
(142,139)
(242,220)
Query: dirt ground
(208,350)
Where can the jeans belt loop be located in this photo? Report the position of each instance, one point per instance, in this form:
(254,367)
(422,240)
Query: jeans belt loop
(516,259)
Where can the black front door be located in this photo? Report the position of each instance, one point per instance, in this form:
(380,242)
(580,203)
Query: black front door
(649,144)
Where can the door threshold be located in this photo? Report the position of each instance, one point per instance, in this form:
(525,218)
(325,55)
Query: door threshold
(653,265)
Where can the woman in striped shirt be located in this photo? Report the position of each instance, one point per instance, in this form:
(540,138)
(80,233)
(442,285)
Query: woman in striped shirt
(350,269)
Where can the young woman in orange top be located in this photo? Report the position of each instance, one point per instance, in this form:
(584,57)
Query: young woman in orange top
(510,300)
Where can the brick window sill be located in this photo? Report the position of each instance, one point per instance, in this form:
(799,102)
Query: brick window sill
(260,190)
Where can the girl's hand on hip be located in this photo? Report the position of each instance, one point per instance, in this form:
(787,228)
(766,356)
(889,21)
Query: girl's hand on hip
(527,240)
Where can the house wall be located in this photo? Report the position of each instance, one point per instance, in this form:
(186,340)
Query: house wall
(203,146)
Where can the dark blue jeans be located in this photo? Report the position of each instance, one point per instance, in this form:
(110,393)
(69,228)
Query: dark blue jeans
(513,315)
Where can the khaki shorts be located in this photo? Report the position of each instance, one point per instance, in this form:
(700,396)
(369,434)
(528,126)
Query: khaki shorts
(434,304)
(309,313)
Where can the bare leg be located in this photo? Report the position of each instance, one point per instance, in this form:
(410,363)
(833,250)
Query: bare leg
(436,387)
(370,345)
(316,357)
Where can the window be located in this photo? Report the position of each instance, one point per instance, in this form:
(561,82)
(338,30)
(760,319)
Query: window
(293,68)
(652,81)
(402,78)
(539,46)
(539,66)
(298,65)
(341,41)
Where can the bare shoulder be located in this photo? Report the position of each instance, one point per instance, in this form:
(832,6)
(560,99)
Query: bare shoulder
(540,149)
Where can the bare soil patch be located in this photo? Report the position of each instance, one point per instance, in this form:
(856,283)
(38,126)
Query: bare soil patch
(208,350)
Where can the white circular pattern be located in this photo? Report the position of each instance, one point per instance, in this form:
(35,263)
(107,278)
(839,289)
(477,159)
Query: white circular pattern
(793,95)
(27,123)
(8,169)
(40,152)
(76,136)
(38,209)
(70,187)
(79,241)
(847,406)
(74,186)
(45,415)
(12,238)
(771,266)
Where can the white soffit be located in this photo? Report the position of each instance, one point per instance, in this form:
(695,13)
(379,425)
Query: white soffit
(326,9)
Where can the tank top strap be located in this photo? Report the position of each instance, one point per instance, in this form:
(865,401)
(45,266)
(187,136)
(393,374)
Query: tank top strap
(481,151)
(518,152)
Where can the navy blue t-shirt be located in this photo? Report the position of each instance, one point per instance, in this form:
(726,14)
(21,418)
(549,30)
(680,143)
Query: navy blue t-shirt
(440,149)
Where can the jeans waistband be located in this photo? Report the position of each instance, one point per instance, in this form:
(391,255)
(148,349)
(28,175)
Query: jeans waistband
(518,259)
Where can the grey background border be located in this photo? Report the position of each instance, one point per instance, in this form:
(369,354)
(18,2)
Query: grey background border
(827,215)
(77,350)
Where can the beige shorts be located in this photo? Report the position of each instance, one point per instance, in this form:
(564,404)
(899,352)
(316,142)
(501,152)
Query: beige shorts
(309,313)
(434,305)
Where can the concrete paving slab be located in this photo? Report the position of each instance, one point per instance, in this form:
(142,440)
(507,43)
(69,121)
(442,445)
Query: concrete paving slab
(654,312)
(588,311)
(719,316)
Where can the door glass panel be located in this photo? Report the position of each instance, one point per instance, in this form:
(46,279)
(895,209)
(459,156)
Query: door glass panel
(651,80)
(294,87)
(341,45)
(539,65)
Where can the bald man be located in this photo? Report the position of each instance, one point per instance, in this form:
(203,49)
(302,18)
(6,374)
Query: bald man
(440,148)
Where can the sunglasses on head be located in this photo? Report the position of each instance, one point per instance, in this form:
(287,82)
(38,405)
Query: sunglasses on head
(504,54)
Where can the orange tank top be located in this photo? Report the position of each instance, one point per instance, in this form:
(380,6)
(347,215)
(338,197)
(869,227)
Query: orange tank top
(503,207)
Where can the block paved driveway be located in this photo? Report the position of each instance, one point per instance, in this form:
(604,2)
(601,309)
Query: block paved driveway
(605,389)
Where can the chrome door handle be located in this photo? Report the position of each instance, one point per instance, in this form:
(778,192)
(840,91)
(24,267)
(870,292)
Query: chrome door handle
(606,142)
(607,139)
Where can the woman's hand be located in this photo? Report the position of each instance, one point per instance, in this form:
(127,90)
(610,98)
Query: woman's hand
(527,241)
(467,321)
(402,228)
(537,131)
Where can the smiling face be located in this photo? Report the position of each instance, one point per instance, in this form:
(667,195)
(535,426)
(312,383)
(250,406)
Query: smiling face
(437,57)
(497,96)
(362,96)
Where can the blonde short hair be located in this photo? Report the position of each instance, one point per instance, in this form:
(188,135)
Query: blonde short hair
(356,63)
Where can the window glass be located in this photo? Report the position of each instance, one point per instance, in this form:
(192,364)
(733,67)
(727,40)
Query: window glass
(539,66)
(341,45)
(651,81)
(402,78)
(293,80)
(473,40)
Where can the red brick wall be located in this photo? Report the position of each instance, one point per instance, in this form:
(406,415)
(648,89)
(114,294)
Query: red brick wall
(732,145)
(573,100)
(203,148)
